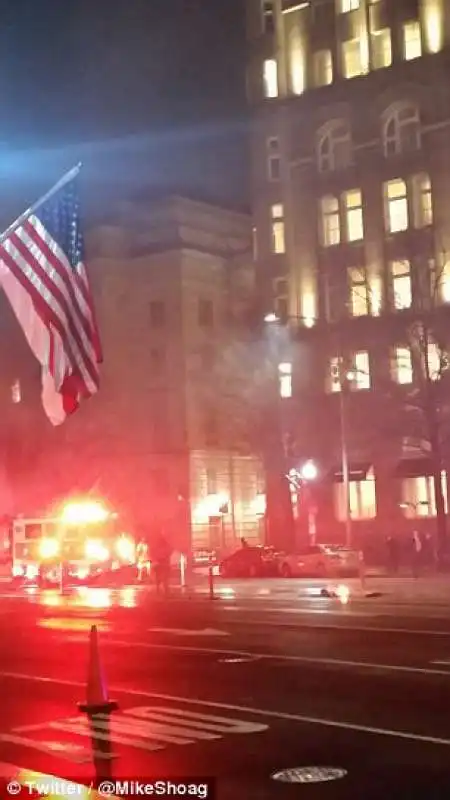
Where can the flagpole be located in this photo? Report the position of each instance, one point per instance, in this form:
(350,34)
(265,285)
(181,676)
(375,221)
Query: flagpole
(69,176)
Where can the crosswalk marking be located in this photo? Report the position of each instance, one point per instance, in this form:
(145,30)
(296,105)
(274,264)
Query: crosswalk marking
(78,755)
(222,725)
(103,736)
(149,728)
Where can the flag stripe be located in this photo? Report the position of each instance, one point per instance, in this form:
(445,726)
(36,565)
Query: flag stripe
(59,290)
(51,248)
(42,297)
(61,267)
(42,309)
(44,277)
(64,293)
(82,277)
(56,301)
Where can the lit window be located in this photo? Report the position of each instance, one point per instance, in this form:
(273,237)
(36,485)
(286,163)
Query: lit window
(334,146)
(401,130)
(322,68)
(435,361)
(359,292)
(285,379)
(359,374)
(348,5)
(16,392)
(419,497)
(330,223)
(268,14)
(400,275)
(440,280)
(412,41)
(273,159)
(355,374)
(354,215)
(402,368)
(352,58)
(396,206)
(362,499)
(270,78)
(381,49)
(333,382)
(278,239)
(423,204)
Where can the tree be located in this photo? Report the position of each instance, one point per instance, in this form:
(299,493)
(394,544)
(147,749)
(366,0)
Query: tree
(425,408)
(243,387)
(416,399)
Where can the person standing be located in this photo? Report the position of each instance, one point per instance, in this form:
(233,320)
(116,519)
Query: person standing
(416,554)
(161,565)
(392,555)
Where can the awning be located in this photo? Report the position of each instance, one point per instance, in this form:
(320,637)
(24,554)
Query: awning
(413,468)
(357,471)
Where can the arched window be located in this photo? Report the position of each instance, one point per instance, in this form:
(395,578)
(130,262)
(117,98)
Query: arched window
(401,129)
(334,146)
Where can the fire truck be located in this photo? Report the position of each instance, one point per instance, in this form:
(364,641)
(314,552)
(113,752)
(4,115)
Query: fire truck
(83,540)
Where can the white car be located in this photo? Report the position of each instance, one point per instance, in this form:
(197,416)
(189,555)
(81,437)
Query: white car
(320,561)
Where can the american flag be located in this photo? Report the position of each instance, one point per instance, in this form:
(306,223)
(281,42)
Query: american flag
(43,274)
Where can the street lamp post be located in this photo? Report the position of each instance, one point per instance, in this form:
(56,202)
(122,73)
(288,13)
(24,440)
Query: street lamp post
(343,379)
(345,472)
(302,479)
(279,512)
(343,376)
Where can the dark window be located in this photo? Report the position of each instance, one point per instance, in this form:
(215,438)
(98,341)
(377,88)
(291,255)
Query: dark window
(268,16)
(159,482)
(281,308)
(157,314)
(211,480)
(157,360)
(33,531)
(205,313)
(211,429)
(208,358)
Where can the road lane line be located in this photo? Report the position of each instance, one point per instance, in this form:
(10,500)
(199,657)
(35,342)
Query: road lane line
(332,625)
(281,715)
(274,657)
(333,662)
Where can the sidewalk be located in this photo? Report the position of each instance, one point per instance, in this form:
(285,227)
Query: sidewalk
(426,589)
(429,589)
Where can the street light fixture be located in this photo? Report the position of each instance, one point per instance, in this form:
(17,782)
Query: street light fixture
(414,506)
(309,471)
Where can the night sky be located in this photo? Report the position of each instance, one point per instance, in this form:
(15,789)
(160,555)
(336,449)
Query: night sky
(146,92)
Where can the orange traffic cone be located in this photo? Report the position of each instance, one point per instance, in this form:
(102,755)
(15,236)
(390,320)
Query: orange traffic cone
(98,708)
(97,699)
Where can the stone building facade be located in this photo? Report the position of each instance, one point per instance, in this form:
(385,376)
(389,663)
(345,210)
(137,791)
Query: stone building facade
(350,146)
(170,278)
